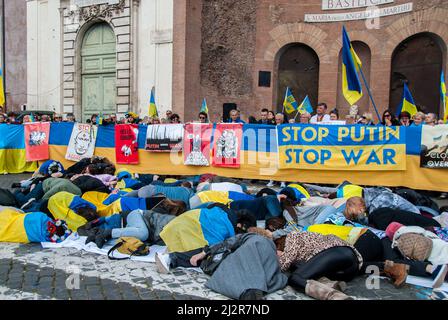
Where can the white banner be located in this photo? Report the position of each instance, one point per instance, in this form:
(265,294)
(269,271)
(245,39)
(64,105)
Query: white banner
(359,15)
(351,4)
(82,142)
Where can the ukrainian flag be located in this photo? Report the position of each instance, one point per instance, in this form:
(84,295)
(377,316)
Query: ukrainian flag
(290,104)
(204,107)
(351,85)
(407,103)
(2,89)
(306,106)
(444,97)
(152,105)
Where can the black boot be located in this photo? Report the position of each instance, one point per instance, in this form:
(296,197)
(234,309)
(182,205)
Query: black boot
(252,294)
(102,237)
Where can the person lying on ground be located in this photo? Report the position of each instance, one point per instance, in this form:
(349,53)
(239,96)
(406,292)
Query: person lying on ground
(95,171)
(243,267)
(19,227)
(383,216)
(221,186)
(207,226)
(182,193)
(223,197)
(263,208)
(74,210)
(144,225)
(109,204)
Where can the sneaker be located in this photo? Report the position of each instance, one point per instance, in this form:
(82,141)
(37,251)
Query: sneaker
(283,185)
(162,263)
(270,184)
(439,279)
(28,204)
(443,196)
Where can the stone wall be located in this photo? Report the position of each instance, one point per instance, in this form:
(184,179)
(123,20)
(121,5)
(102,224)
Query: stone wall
(228,46)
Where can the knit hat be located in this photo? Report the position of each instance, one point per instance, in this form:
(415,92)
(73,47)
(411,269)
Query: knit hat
(392,228)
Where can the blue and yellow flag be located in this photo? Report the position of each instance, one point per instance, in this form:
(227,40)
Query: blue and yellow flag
(351,64)
(444,97)
(306,106)
(2,89)
(152,105)
(407,102)
(290,104)
(204,107)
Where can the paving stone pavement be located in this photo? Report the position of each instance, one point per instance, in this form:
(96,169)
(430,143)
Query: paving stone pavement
(29,272)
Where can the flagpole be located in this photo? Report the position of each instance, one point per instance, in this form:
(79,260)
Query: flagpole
(370,94)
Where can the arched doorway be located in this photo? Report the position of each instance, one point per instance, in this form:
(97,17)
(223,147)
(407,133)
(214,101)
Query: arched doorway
(364,53)
(418,60)
(298,69)
(98,58)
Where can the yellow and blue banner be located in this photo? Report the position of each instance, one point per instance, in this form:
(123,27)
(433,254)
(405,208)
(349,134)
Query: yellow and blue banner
(361,148)
(407,102)
(152,105)
(351,64)
(204,107)
(444,97)
(2,89)
(290,104)
(306,106)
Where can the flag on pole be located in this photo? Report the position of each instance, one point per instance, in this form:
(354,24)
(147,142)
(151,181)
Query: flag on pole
(2,89)
(407,102)
(152,104)
(290,104)
(444,97)
(204,107)
(351,64)
(306,106)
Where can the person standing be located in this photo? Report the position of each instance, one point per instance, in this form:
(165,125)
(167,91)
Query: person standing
(321,114)
(235,117)
(265,117)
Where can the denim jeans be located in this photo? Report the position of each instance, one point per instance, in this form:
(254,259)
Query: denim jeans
(136,227)
(37,193)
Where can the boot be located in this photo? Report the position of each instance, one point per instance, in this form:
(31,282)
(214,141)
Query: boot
(337,285)
(321,291)
(397,272)
(102,237)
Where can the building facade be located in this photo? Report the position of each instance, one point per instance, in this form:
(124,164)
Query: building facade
(245,53)
(97,56)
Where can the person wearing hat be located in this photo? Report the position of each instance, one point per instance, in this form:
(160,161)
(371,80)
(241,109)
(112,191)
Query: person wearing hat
(405,119)
(131,118)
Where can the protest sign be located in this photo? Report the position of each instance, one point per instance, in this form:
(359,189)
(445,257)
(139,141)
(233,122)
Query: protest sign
(362,148)
(37,135)
(126,143)
(197,144)
(82,142)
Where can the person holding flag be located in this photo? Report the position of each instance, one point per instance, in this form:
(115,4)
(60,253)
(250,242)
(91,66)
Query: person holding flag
(305,107)
(152,105)
(290,104)
(444,96)
(407,103)
(203,114)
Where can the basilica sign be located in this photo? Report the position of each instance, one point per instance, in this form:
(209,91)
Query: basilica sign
(351,4)
(359,15)
(86,3)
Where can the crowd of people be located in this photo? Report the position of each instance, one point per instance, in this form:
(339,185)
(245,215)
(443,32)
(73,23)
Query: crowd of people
(266,117)
(311,237)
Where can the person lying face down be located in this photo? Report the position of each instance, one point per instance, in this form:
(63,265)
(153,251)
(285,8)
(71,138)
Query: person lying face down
(375,198)
(144,225)
(223,197)
(207,226)
(381,218)
(19,227)
(72,209)
(183,193)
(220,186)
(263,208)
(109,204)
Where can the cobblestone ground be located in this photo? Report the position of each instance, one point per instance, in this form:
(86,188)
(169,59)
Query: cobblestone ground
(30,272)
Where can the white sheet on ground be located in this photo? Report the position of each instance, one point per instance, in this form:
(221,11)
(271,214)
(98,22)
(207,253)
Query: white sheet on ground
(78,242)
